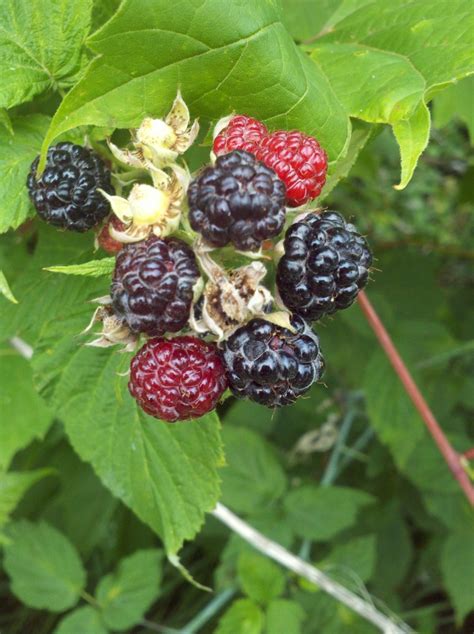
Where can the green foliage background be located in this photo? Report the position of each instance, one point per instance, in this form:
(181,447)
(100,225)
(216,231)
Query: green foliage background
(93,493)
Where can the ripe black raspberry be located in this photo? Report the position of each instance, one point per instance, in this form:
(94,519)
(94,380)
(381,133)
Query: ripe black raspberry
(239,200)
(177,379)
(325,265)
(152,286)
(65,195)
(270,364)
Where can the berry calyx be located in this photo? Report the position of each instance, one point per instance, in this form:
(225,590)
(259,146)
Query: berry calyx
(105,240)
(270,364)
(177,379)
(241,133)
(65,195)
(325,265)
(239,200)
(153,283)
(299,161)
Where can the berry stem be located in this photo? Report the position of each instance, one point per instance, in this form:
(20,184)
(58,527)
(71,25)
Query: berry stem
(452,457)
(303,569)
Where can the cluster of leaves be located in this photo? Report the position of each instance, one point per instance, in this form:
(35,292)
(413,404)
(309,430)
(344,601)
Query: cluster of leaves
(383,512)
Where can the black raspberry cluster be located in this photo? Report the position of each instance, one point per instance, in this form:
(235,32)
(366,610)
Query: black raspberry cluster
(209,328)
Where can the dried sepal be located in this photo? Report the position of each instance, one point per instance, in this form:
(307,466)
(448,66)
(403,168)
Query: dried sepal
(114,332)
(229,298)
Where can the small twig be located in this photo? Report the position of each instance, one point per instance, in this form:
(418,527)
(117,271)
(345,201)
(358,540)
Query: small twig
(452,458)
(156,627)
(298,566)
(209,611)
(22,347)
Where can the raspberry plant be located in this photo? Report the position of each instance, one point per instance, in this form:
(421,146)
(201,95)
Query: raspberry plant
(169,242)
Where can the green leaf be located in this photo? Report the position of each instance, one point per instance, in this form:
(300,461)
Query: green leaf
(412,136)
(5,289)
(25,415)
(437,43)
(43,566)
(103,10)
(260,578)
(42,296)
(13,485)
(284,617)
(126,595)
(253,477)
(243,617)
(232,62)
(457,564)
(167,474)
(354,558)
(17,152)
(456,102)
(384,88)
(361,133)
(320,513)
(40,46)
(304,19)
(397,58)
(82,508)
(5,120)
(393,537)
(81,621)
(94,268)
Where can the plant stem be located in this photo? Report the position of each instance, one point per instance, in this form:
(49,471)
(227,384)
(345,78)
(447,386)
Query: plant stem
(331,471)
(314,575)
(357,447)
(208,611)
(452,457)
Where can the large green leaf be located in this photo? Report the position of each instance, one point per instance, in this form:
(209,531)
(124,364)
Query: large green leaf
(40,46)
(397,55)
(457,564)
(167,474)
(81,621)
(456,102)
(17,152)
(224,58)
(43,566)
(319,513)
(126,595)
(13,485)
(435,35)
(25,415)
(253,478)
(43,296)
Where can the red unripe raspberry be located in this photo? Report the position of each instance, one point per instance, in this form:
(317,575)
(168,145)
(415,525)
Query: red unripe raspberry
(299,161)
(104,238)
(177,379)
(242,133)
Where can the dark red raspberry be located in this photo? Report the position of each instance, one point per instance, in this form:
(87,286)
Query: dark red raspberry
(105,240)
(239,200)
(152,285)
(270,364)
(299,161)
(324,267)
(177,379)
(241,133)
(66,194)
